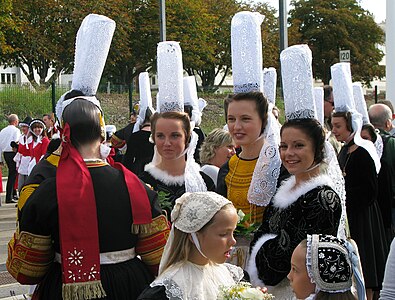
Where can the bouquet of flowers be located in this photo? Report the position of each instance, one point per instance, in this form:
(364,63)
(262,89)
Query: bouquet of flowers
(244,226)
(243,291)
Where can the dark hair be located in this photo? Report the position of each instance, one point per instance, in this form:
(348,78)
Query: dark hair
(261,102)
(188,110)
(328,90)
(83,118)
(371,130)
(313,129)
(148,115)
(347,116)
(347,295)
(226,104)
(174,115)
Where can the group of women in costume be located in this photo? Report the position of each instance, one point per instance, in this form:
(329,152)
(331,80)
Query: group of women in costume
(97,231)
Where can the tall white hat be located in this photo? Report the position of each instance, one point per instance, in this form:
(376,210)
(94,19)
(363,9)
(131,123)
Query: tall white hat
(319,103)
(170,77)
(246,45)
(91,50)
(145,99)
(269,84)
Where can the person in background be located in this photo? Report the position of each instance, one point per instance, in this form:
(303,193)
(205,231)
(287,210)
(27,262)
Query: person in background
(22,158)
(120,137)
(328,110)
(201,135)
(216,150)
(315,274)
(380,116)
(193,263)
(7,135)
(50,124)
(139,150)
(363,212)
(39,143)
(389,104)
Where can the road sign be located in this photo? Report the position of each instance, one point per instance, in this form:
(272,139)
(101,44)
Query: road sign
(344,55)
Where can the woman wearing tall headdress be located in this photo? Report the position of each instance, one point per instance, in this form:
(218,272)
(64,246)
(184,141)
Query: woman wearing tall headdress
(80,244)
(305,203)
(140,150)
(249,179)
(173,170)
(360,165)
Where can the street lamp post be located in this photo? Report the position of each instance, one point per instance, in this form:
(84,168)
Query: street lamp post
(282,7)
(162,19)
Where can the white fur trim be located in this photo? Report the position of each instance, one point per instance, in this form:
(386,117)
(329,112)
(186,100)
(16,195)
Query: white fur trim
(251,266)
(286,195)
(163,176)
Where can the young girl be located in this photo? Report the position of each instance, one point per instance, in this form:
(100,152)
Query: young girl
(192,265)
(39,144)
(323,267)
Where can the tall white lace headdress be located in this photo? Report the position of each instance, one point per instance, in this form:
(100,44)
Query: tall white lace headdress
(299,103)
(191,98)
(91,50)
(171,98)
(246,42)
(319,103)
(145,100)
(360,105)
(359,101)
(344,101)
(269,84)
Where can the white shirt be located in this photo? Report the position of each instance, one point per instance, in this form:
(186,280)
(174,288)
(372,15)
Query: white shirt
(9,134)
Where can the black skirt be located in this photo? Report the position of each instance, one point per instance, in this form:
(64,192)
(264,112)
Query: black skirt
(123,281)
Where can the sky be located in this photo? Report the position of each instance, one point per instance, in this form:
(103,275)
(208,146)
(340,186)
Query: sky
(376,7)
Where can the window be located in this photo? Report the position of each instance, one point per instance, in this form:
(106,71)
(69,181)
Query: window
(8,78)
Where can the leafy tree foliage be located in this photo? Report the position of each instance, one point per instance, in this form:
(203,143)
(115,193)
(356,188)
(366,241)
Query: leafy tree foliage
(327,26)
(6,24)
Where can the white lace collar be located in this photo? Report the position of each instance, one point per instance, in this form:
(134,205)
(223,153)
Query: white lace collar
(164,176)
(187,281)
(285,195)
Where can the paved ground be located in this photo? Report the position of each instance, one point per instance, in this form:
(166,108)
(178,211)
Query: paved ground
(9,288)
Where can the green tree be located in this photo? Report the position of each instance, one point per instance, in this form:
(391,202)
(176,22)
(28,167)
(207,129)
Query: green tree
(6,24)
(327,26)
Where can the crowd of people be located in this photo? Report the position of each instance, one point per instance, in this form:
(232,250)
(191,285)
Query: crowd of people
(163,219)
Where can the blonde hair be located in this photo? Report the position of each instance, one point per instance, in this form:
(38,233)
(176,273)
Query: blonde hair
(182,245)
(214,140)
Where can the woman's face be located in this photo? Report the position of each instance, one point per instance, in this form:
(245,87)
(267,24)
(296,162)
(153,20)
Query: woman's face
(216,240)
(296,151)
(339,129)
(38,130)
(169,138)
(222,154)
(244,122)
(298,277)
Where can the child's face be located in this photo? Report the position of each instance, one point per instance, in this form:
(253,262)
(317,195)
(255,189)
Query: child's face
(300,280)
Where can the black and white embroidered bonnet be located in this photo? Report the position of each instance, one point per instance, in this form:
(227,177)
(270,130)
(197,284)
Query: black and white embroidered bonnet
(331,263)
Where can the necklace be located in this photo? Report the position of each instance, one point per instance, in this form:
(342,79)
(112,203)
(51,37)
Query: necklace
(345,165)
